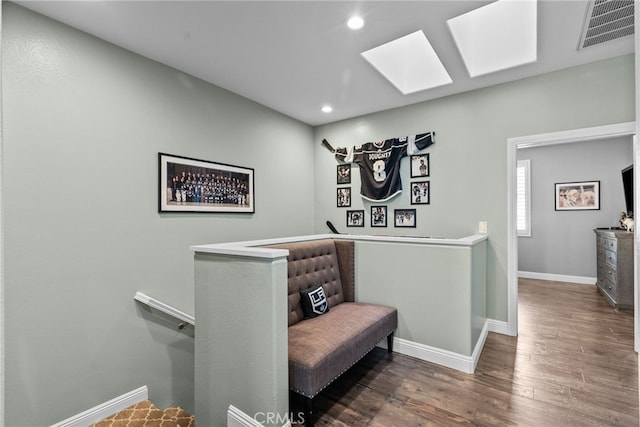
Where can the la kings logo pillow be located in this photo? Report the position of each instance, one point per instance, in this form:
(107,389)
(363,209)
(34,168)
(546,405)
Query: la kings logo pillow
(314,302)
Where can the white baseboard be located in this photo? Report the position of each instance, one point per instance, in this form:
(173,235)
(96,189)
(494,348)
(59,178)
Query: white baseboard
(498,326)
(558,277)
(439,356)
(477,350)
(237,418)
(106,409)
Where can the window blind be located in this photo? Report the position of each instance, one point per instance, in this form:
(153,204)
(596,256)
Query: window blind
(523,198)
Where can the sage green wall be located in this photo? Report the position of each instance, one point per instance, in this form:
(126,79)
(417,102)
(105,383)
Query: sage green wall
(469,159)
(2,304)
(437,306)
(478,290)
(241,355)
(83,124)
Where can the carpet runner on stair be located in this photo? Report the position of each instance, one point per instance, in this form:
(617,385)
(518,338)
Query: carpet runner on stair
(146,414)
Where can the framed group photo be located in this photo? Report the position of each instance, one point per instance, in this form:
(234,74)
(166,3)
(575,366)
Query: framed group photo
(378,216)
(404,218)
(573,196)
(420,192)
(355,218)
(194,185)
(420,165)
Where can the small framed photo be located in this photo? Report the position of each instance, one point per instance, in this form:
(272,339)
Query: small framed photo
(343,197)
(420,165)
(420,192)
(577,196)
(194,185)
(343,174)
(378,216)
(404,217)
(355,218)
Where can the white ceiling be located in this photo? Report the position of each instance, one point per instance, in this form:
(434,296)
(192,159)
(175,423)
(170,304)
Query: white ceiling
(296,56)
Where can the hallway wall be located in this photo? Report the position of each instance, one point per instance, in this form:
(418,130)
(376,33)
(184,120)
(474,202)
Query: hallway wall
(83,124)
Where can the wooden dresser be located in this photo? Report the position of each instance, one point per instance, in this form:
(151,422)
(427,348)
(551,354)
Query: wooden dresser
(615,266)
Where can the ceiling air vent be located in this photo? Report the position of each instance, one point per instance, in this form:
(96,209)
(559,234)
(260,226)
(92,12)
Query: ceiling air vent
(607,20)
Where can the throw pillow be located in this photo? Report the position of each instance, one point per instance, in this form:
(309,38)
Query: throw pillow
(313,301)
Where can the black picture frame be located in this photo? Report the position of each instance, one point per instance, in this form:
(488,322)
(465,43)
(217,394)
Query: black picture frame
(343,174)
(404,218)
(343,197)
(194,185)
(378,216)
(420,192)
(420,166)
(577,196)
(355,218)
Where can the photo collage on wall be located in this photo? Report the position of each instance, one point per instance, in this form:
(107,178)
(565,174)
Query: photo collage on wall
(355,218)
(419,189)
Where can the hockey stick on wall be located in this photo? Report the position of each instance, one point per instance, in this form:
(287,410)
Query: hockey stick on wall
(332,228)
(328,146)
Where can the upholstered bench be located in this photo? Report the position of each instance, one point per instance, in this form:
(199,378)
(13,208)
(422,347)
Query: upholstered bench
(321,348)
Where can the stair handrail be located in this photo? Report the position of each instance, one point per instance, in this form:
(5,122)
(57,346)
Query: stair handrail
(186,319)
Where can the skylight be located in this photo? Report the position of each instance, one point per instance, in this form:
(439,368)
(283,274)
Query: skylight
(409,63)
(497,36)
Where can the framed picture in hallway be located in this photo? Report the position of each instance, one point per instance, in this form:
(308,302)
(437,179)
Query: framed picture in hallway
(404,218)
(420,165)
(577,196)
(343,197)
(194,185)
(343,174)
(420,192)
(378,216)
(355,218)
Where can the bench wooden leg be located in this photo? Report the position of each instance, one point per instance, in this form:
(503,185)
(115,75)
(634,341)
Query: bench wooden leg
(308,412)
(390,342)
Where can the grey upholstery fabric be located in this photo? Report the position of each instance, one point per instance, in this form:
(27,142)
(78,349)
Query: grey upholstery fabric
(310,263)
(346,258)
(321,349)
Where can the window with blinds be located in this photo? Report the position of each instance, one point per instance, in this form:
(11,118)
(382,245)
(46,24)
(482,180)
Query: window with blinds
(523,198)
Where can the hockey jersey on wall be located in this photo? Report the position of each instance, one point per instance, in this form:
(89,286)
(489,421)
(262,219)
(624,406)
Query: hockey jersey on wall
(379,163)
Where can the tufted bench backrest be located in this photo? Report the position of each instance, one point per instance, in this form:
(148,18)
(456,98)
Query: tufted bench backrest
(328,262)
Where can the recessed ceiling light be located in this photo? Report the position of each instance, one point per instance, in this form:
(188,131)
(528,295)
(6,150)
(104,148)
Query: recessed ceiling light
(409,63)
(497,36)
(327,109)
(355,23)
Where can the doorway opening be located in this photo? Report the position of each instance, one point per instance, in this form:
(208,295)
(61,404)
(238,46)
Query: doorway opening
(539,140)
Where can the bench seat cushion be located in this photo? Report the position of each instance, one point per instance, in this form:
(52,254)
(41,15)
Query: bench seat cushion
(322,348)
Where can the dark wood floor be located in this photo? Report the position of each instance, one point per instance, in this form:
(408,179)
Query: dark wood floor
(573,364)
